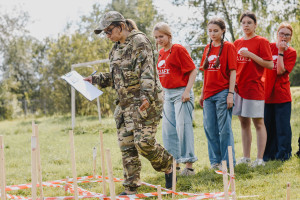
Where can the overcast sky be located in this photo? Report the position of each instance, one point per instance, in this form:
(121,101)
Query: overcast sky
(51,16)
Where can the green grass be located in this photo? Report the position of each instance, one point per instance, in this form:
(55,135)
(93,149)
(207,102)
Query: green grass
(268,182)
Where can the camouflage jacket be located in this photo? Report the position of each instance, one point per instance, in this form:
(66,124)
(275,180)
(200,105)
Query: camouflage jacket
(132,74)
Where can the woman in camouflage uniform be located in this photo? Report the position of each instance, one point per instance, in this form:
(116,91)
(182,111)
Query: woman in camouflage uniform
(133,75)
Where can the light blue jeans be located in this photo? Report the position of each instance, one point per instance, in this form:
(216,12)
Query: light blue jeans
(217,126)
(177,125)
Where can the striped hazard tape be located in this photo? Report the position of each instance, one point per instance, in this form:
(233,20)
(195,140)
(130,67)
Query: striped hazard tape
(68,187)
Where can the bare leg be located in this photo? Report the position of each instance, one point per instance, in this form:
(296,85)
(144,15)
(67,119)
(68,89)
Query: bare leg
(246,135)
(189,165)
(261,135)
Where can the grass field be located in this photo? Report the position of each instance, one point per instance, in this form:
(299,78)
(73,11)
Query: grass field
(267,182)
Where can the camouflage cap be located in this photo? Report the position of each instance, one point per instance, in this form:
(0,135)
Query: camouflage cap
(107,19)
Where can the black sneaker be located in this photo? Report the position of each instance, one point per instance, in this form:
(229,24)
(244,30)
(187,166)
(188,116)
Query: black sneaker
(125,193)
(169,179)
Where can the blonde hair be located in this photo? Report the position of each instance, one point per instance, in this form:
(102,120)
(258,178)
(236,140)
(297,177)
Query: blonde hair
(285,25)
(163,28)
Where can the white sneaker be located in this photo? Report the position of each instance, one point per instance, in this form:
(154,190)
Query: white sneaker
(216,166)
(244,160)
(187,172)
(258,162)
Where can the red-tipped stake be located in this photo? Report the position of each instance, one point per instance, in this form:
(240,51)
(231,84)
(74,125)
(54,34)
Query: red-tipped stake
(110,175)
(225,179)
(73,164)
(102,163)
(158,192)
(94,161)
(38,159)
(288,191)
(33,167)
(231,168)
(174,179)
(2,169)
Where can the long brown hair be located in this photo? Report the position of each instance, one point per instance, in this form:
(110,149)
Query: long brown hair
(219,22)
(129,24)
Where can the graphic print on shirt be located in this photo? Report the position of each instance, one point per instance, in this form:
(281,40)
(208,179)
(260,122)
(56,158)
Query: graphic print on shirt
(161,68)
(275,62)
(212,61)
(242,59)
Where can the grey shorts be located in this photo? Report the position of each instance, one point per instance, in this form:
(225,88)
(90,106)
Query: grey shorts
(248,108)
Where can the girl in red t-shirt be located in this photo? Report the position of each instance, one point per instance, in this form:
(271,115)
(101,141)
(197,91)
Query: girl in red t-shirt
(177,73)
(278,97)
(219,66)
(254,55)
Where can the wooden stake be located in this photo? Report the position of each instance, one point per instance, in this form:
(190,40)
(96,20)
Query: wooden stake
(110,175)
(231,168)
(159,192)
(39,165)
(73,164)
(225,179)
(2,169)
(94,161)
(33,167)
(102,163)
(288,191)
(174,179)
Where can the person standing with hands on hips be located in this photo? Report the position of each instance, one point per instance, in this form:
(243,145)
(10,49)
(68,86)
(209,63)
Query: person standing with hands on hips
(139,104)
(254,55)
(278,97)
(177,74)
(219,66)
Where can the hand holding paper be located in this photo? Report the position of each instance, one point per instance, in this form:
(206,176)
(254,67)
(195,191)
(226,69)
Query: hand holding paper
(84,87)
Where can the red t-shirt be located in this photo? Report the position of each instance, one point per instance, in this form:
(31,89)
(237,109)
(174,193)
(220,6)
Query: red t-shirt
(217,79)
(249,75)
(173,67)
(277,87)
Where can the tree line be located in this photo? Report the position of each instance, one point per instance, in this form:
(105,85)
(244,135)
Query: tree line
(30,69)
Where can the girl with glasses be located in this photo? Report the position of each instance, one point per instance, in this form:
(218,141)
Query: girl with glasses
(278,96)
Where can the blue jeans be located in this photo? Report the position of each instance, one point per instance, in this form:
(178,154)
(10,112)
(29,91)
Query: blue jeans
(177,125)
(217,126)
(279,141)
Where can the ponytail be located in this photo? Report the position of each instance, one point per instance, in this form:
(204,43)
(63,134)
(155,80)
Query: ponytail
(131,25)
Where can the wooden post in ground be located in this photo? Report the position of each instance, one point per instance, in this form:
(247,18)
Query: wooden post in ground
(231,168)
(174,178)
(288,191)
(94,161)
(33,167)
(2,169)
(110,175)
(102,163)
(38,157)
(73,164)
(159,192)
(225,179)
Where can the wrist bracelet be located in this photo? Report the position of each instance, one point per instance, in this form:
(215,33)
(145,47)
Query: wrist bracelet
(280,54)
(231,92)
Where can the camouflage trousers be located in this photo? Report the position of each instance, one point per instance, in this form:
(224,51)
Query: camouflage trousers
(141,141)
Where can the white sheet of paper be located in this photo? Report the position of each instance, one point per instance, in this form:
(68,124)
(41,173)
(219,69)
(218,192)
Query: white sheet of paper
(84,87)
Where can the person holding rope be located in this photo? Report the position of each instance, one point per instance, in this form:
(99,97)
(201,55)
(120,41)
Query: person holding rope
(139,104)
(278,97)
(219,66)
(177,74)
(254,55)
